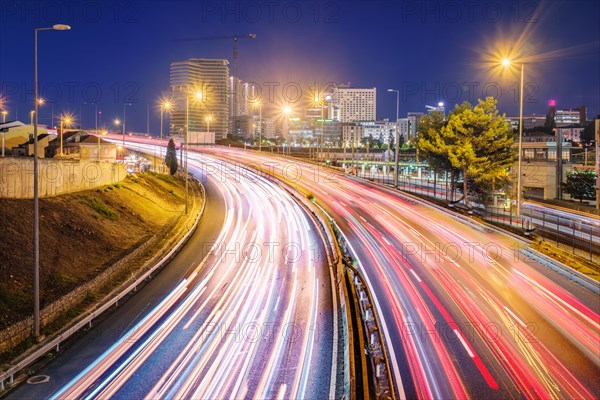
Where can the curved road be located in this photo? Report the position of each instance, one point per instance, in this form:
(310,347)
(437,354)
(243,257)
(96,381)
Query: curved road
(465,313)
(253,316)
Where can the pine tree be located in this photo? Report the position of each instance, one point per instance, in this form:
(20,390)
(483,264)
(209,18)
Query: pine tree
(476,141)
(171,157)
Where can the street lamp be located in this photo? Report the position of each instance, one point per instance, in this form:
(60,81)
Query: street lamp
(198,96)
(96,121)
(397,136)
(64,120)
(506,62)
(287,110)
(208,118)
(318,101)
(123,141)
(258,103)
(4,112)
(165,105)
(36,219)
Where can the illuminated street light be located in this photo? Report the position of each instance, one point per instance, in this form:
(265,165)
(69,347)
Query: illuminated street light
(123,140)
(64,120)
(165,105)
(208,118)
(258,103)
(4,112)
(36,210)
(397,136)
(506,62)
(318,101)
(287,110)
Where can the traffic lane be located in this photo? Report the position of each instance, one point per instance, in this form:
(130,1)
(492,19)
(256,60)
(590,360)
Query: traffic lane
(322,326)
(478,240)
(355,194)
(479,372)
(295,388)
(104,332)
(492,280)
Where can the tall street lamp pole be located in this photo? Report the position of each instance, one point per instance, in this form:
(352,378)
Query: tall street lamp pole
(506,63)
(258,104)
(123,144)
(165,105)
(397,136)
(96,126)
(198,96)
(36,216)
(3,133)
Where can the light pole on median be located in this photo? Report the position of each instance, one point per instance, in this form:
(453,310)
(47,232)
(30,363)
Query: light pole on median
(397,136)
(64,120)
(198,96)
(36,216)
(123,141)
(96,125)
(258,103)
(506,62)
(165,105)
(4,112)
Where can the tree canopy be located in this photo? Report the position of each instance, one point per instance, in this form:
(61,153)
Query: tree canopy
(477,141)
(581,185)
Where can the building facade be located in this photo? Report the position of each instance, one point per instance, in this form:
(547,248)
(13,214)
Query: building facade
(210,77)
(354,104)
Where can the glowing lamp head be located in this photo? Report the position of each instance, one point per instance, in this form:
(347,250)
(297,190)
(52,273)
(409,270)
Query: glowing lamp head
(167,105)
(287,110)
(61,27)
(552,103)
(117,122)
(506,62)
(198,95)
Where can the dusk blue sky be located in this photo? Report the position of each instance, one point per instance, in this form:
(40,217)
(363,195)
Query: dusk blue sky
(433,51)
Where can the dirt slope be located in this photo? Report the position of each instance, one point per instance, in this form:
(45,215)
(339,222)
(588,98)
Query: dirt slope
(81,234)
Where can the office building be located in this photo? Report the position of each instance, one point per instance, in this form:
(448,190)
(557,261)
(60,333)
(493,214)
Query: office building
(354,104)
(211,78)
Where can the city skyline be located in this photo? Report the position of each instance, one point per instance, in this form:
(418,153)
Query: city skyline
(320,45)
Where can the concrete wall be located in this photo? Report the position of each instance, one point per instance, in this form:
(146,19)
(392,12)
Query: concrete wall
(55,176)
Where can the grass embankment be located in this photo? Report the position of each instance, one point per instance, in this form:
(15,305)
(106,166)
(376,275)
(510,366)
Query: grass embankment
(81,235)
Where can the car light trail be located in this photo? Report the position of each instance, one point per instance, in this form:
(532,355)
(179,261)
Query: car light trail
(247,312)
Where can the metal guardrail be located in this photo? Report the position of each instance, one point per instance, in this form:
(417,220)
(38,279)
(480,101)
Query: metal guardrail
(68,331)
(564,270)
(378,360)
(320,219)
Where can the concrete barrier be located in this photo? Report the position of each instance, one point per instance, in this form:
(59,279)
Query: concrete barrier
(56,176)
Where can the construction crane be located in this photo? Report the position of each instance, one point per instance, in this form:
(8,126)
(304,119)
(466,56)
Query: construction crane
(234,63)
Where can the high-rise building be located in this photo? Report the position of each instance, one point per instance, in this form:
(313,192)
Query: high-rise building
(211,78)
(355,104)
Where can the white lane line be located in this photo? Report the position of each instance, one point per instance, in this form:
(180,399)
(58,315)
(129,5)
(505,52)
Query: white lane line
(515,317)
(464,343)
(415,274)
(281,392)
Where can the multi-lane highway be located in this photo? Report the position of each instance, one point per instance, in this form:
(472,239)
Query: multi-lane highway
(252,317)
(464,312)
